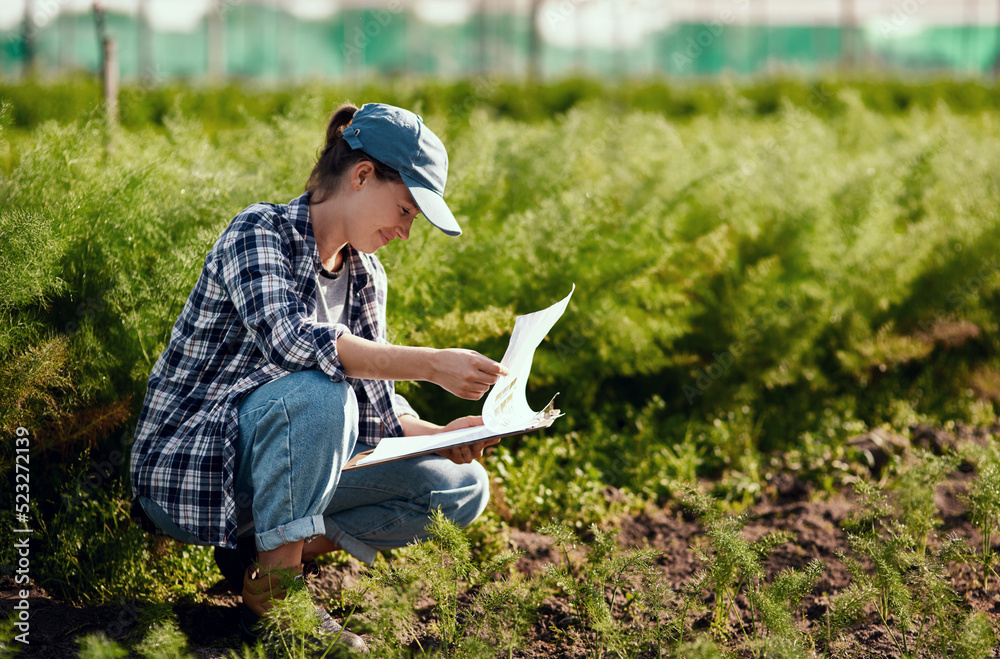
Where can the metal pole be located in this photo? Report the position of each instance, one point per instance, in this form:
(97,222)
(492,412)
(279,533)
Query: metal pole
(145,43)
(996,62)
(102,35)
(617,57)
(28,41)
(110,76)
(765,31)
(534,41)
(216,41)
(581,47)
(847,23)
(289,59)
(67,44)
(483,53)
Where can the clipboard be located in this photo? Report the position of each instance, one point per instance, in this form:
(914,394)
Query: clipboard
(544,419)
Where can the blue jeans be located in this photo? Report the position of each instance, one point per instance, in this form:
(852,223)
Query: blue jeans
(296,433)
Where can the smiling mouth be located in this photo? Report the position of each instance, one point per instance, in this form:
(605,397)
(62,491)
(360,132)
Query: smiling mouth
(385,239)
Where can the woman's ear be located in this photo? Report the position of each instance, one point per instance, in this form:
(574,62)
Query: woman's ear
(362,173)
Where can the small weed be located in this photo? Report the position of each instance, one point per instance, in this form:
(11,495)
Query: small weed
(9,646)
(163,641)
(99,646)
(386,599)
(976,639)
(477,606)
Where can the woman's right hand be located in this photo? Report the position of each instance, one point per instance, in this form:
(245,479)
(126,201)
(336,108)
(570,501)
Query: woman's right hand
(465,373)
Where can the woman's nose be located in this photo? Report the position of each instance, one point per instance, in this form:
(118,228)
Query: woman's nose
(403,231)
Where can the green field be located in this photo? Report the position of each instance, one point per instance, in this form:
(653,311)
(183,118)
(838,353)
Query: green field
(763,272)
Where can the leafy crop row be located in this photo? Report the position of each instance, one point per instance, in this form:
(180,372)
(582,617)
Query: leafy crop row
(142,104)
(746,282)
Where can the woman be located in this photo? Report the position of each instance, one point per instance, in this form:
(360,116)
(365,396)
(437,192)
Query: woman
(278,371)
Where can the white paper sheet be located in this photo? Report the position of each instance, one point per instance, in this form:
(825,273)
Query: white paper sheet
(506,406)
(506,410)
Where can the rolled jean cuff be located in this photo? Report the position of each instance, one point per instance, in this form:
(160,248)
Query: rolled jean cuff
(300,529)
(359,550)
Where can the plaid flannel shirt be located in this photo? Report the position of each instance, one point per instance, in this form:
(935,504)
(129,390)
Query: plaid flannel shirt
(249,320)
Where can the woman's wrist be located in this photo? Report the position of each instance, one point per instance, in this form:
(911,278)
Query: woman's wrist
(371,360)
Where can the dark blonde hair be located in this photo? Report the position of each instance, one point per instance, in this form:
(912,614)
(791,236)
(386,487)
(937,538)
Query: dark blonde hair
(337,157)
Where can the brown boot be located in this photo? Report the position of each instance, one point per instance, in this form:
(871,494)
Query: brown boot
(259,593)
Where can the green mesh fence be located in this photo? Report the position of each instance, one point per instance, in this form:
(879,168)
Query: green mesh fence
(261,42)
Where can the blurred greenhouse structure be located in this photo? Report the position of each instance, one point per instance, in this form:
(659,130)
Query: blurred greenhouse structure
(281,40)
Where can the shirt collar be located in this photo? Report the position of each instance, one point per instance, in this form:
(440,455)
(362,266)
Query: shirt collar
(298,213)
(358,265)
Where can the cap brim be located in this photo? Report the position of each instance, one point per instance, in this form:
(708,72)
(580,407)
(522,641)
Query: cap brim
(432,205)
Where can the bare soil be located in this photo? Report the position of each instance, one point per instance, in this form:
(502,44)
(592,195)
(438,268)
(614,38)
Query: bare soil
(814,524)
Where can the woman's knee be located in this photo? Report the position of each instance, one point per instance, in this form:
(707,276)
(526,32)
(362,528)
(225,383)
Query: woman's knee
(467,494)
(329,407)
(310,400)
(302,423)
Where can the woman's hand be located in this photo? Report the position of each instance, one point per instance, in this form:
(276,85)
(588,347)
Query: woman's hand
(466,453)
(466,373)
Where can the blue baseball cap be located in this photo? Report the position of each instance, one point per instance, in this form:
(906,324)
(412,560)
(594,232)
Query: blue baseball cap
(397,138)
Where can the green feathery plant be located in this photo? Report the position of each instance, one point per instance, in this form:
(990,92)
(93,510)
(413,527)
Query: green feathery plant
(913,495)
(291,624)
(907,586)
(385,598)
(776,602)
(160,636)
(99,646)
(871,533)
(498,614)
(9,647)
(506,610)
(652,607)
(983,500)
(450,561)
(610,586)
(733,563)
(163,641)
(976,639)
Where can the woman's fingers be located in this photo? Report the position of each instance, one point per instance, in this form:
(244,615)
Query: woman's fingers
(468,374)
(468,452)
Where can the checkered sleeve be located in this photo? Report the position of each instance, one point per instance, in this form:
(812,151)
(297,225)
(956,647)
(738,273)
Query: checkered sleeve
(258,276)
(403,407)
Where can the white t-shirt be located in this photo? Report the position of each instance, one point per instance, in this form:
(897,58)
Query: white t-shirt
(331,296)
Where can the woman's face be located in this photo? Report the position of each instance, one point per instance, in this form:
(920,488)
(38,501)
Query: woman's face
(383,211)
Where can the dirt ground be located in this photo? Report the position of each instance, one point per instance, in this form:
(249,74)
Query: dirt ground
(815,525)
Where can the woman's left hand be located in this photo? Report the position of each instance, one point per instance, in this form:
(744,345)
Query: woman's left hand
(467,452)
